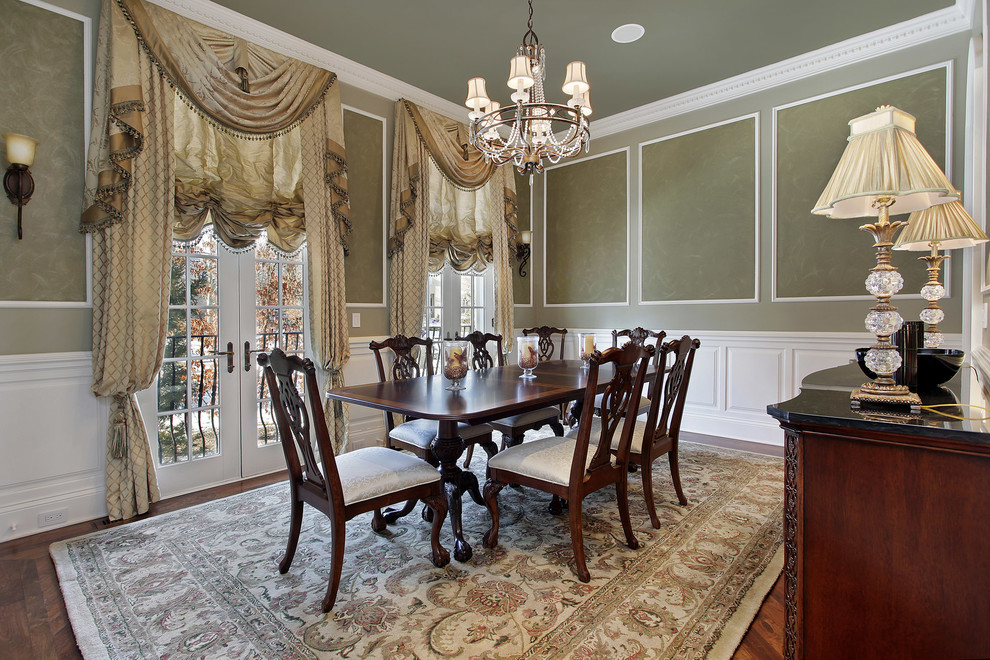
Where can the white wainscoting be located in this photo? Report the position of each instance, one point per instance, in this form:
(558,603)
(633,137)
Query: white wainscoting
(52,430)
(738,374)
(366,426)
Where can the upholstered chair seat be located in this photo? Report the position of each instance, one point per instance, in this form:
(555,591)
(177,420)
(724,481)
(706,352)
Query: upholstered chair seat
(373,471)
(514,427)
(643,408)
(569,468)
(546,459)
(420,432)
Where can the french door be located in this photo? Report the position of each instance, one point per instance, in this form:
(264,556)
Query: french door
(209,414)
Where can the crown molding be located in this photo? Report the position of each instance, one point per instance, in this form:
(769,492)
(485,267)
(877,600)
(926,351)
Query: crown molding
(347,70)
(936,25)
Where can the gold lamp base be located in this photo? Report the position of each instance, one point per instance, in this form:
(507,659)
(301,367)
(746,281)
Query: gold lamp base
(885,395)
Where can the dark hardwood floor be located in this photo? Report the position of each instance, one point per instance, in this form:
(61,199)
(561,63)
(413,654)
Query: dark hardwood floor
(35,626)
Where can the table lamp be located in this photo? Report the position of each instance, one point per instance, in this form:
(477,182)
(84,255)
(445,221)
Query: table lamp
(884,166)
(947,226)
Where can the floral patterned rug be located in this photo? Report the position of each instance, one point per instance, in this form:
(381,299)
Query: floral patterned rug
(203,582)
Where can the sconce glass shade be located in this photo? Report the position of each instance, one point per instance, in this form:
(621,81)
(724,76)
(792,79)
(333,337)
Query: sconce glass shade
(948,225)
(20,149)
(526,237)
(884,159)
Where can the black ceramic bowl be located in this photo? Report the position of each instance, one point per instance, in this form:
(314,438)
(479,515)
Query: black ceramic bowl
(935,365)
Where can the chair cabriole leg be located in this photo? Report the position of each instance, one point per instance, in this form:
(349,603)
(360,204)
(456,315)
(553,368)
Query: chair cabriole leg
(492,489)
(675,475)
(577,540)
(438,504)
(337,534)
(295,525)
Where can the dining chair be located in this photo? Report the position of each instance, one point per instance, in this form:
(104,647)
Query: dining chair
(547,349)
(416,435)
(639,335)
(546,346)
(569,468)
(659,434)
(340,486)
(514,427)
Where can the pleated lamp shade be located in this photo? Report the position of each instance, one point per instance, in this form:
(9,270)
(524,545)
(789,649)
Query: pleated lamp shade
(884,159)
(949,225)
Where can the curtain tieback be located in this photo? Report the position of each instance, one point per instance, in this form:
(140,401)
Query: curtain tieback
(118,426)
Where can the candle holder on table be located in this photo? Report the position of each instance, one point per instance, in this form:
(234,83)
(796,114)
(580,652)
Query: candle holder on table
(529,355)
(455,363)
(586,344)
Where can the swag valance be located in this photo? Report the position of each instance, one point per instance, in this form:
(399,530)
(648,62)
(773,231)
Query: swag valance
(230,94)
(449,205)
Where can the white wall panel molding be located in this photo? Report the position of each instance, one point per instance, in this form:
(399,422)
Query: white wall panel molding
(936,25)
(738,374)
(54,433)
(347,70)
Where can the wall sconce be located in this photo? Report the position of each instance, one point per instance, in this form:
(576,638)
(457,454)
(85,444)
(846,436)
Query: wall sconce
(522,251)
(18,182)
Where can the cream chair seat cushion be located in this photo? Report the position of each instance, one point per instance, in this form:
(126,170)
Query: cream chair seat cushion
(373,471)
(548,459)
(420,432)
(549,414)
(635,447)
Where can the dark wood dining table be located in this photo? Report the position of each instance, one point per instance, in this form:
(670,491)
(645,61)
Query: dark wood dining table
(488,394)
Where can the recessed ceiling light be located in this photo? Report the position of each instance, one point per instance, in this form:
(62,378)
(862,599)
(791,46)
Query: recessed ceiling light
(628,33)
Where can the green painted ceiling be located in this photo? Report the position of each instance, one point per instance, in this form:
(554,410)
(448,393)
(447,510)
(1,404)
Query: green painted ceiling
(437,45)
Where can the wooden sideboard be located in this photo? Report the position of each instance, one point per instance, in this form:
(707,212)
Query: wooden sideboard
(887,527)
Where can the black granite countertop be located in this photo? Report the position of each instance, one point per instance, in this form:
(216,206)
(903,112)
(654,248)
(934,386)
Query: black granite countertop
(824,401)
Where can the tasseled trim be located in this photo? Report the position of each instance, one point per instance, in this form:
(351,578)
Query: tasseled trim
(117,438)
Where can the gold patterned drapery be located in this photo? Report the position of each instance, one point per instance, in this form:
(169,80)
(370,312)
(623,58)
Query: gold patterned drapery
(142,181)
(448,206)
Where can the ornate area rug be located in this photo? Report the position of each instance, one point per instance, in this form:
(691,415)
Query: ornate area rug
(203,582)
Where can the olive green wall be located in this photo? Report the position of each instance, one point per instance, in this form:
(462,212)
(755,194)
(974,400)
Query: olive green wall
(364,140)
(39,45)
(699,190)
(521,292)
(587,213)
(48,267)
(767,315)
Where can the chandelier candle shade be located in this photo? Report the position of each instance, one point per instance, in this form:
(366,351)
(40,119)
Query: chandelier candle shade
(532,129)
(884,167)
(946,226)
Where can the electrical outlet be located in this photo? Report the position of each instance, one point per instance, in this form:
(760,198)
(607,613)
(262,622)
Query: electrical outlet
(356,319)
(56,517)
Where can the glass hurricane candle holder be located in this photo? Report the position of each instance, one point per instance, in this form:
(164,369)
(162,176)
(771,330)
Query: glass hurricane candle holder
(586,345)
(529,355)
(455,363)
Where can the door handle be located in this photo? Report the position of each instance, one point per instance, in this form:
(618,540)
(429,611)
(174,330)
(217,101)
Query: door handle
(247,355)
(230,356)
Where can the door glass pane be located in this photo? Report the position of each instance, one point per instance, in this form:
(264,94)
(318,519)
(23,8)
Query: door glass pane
(280,289)
(188,390)
(472,303)
(434,306)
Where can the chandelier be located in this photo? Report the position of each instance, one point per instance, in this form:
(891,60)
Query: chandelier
(532,129)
